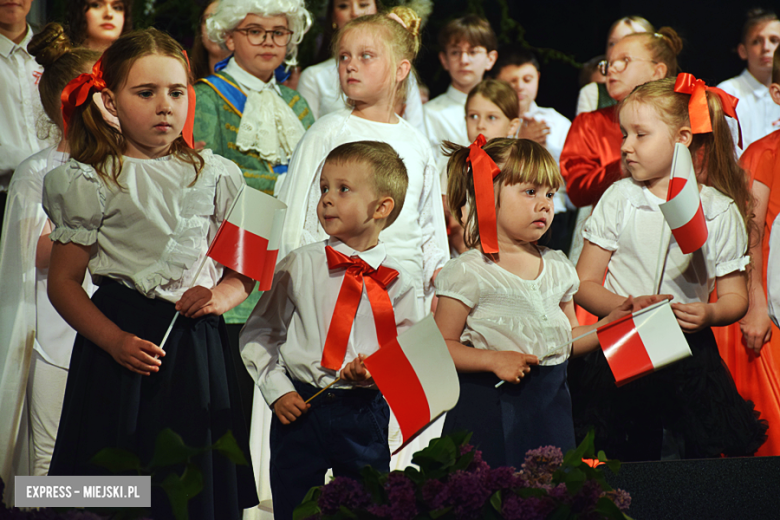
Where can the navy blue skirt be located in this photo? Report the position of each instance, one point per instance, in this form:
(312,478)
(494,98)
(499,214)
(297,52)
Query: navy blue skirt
(512,419)
(194,393)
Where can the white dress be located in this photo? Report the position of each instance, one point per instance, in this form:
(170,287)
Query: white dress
(319,86)
(28,321)
(627,222)
(509,312)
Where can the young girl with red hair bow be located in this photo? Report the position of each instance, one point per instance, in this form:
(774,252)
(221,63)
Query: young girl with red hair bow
(139,208)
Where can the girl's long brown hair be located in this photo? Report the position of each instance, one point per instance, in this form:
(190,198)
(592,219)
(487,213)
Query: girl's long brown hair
(92,140)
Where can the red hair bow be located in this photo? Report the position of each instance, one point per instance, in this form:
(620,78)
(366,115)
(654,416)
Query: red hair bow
(484,170)
(79,90)
(698,110)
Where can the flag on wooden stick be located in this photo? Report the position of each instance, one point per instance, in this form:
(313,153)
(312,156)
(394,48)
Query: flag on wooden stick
(417,377)
(248,239)
(683,211)
(645,341)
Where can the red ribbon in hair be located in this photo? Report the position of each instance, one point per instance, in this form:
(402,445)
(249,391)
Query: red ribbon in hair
(186,132)
(698,110)
(376,280)
(79,90)
(484,170)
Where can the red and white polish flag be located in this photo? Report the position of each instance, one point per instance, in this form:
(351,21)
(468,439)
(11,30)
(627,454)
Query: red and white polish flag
(643,342)
(248,239)
(417,377)
(683,211)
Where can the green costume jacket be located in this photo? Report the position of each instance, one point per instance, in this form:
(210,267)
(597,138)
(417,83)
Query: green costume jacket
(216,123)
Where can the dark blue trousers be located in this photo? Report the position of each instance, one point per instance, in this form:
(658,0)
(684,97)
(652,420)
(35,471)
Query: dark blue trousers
(345,430)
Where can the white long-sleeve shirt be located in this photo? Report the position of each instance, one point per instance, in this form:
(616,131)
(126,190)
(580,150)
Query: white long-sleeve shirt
(287,329)
(756,110)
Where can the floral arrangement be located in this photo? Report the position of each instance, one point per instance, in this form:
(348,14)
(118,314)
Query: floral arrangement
(453,482)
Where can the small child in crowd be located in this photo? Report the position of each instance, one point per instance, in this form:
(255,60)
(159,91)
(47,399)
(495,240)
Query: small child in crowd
(296,341)
(520,68)
(690,409)
(507,312)
(467,50)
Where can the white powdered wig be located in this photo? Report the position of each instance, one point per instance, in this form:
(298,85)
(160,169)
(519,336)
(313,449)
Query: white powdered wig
(230,13)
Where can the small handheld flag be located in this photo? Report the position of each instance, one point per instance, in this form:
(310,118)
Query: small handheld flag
(248,239)
(417,377)
(645,341)
(683,211)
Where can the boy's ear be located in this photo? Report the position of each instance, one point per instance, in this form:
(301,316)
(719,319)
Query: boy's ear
(443,60)
(109,101)
(384,206)
(492,57)
(742,51)
(774,91)
(685,136)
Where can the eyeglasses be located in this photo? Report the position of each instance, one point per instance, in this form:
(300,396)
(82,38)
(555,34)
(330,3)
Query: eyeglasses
(618,65)
(257,35)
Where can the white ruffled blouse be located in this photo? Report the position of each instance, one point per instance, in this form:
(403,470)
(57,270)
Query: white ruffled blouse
(152,233)
(510,313)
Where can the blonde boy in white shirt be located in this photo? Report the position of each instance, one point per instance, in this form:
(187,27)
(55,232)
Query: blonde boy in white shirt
(288,337)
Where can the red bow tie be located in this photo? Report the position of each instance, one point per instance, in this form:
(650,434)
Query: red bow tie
(376,281)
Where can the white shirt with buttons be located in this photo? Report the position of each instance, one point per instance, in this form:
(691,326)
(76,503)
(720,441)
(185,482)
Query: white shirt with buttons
(20,106)
(509,312)
(756,110)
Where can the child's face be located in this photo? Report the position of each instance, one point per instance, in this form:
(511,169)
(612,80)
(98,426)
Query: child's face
(347,204)
(639,67)
(484,117)
(365,67)
(648,144)
(525,213)
(105,20)
(759,46)
(258,55)
(151,105)
(346,10)
(525,80)
(466,64)
(13,12)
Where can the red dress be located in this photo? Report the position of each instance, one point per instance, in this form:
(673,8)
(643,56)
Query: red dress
(758,377)
(590,160)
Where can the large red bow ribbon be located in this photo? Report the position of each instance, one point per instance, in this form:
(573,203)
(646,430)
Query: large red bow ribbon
(189,124)
(79,91)
(698,110)
(376,281)
(484,170)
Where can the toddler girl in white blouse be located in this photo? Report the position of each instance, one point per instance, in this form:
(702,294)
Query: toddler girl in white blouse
(505,306)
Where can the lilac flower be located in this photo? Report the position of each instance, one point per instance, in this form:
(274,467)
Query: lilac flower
(436,494)
(401,496)
(620,497)
(540,464)
(465,448)
(585,499)
(501,478)
(379,510)
(342,491)
(516,508)
(468,494)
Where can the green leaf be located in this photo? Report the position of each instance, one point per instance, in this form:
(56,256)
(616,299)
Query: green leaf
(313,494)
(584,450)
(562,512)
(531,492)
(169,450)
(438,513)
(117,460)
(608,509)
(460,437)
(306,510)
(346,512)
(495,501)
(180,489)
(228,446)
(602,456)
(414,475)
(575,479)
(613,465)
(438,455)
(372,482)
(463,462)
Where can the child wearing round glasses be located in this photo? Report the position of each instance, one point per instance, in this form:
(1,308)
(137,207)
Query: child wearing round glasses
(242,113)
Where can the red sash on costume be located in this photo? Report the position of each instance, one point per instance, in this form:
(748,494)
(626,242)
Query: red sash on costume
(376,281)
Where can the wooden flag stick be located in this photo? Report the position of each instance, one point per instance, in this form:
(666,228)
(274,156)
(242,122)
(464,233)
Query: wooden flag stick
(662,256)
(318,393)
